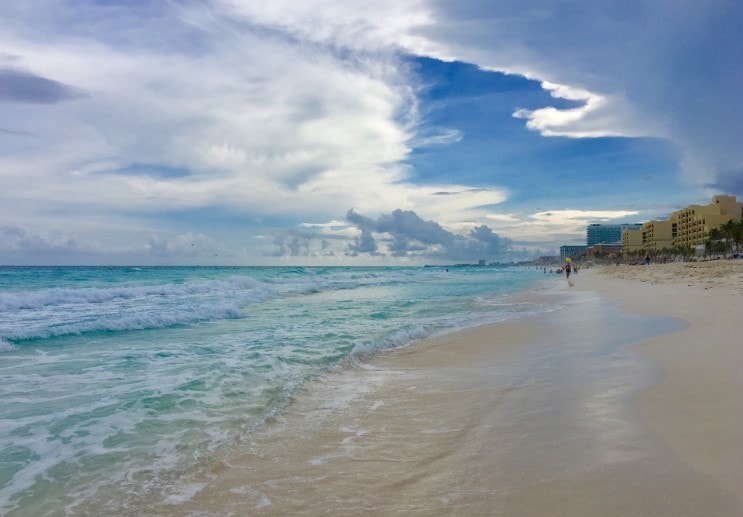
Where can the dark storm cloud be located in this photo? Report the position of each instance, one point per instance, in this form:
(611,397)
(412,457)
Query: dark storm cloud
(410,235)
(488,238)
(407,224)
(292,243)
(729,182)
(19,86)
(365,242)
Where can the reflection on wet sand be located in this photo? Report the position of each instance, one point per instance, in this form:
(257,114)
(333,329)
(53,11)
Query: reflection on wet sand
(523,418)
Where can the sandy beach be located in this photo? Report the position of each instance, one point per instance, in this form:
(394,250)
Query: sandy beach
(697,408)
(625,400)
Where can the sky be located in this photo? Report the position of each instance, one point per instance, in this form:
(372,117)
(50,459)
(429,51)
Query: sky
(347,132)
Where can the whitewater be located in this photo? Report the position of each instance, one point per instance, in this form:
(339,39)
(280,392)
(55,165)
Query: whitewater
(118,382)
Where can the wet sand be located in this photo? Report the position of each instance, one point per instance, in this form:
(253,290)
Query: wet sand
(698,406)
(556,415)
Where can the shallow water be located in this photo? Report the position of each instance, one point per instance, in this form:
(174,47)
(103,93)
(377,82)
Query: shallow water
(526,418)
(119,383)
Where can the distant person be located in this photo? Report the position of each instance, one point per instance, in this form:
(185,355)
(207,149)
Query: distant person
(647,260)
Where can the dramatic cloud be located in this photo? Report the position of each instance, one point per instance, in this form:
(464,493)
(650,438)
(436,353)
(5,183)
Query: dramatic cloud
(729,181)
(405,234)
(488,237)
(249,120)
(365,242)
(129,126)
(293,243)
(585,121)
(639,68)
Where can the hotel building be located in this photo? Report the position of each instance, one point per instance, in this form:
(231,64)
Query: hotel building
(658,235)
(687,227)
(607,233)
(632,239)
(572,252)
(695,222)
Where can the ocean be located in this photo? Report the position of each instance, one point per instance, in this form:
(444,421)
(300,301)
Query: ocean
(118,382)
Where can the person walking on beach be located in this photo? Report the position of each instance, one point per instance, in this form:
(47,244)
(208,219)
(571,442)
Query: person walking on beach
(567,267)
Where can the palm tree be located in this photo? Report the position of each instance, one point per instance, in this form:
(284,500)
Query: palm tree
(737,234)
(681,250)
(687,251)
(730,234)
(715,241)
(728,231)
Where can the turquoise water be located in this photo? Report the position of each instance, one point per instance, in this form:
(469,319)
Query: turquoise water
(117,381)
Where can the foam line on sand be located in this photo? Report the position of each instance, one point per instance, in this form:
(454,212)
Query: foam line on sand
(586,410)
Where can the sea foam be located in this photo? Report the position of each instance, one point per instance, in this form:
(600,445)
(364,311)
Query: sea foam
(132,377)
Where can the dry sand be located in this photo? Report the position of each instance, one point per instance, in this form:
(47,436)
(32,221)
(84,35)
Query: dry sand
(556,415)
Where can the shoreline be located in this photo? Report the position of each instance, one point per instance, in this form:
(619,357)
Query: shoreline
(551,415)
(697,406)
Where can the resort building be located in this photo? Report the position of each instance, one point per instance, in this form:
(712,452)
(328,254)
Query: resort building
(687,228)
(658,235)
(607,233)
(695,222)
(632,239)
(572,251)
